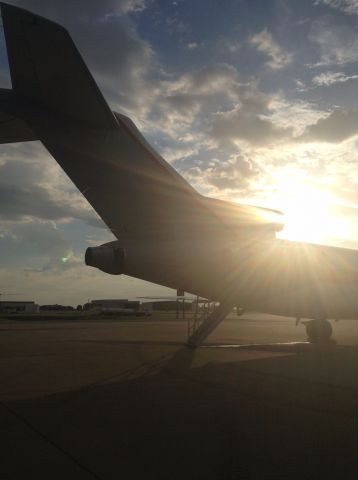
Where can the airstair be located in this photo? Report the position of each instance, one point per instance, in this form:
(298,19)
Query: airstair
(204,322)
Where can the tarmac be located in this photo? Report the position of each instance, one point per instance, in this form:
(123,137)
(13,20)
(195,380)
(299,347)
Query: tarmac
(109,399)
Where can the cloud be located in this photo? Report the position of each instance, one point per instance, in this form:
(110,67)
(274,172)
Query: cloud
(213,102)
(340,125)
(18,201)
(128,6)
(264,43)
(346,6)
(338,44)
(243,124)
(38,188)
(213,78)
(190,100)
(232,46)
(330,78)
(297,115)
(233,175)
(173,154)
(192,45)
(34,244)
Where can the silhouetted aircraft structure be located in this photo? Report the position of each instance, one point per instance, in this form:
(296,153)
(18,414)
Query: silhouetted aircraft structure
(166,232)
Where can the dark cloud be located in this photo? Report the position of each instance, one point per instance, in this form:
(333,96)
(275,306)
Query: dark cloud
(20,201)
(240,124)
(337,127)
(181,105)
(27,188)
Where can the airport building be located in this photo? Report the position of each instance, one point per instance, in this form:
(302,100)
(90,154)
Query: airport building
(113,305)
(18,307)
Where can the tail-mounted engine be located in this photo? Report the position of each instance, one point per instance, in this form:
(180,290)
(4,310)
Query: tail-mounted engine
(108,257)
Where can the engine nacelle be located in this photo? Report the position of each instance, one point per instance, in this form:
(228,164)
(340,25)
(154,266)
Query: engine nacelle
(108,257)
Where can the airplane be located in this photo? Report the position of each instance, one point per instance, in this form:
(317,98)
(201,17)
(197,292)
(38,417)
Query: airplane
(167,233)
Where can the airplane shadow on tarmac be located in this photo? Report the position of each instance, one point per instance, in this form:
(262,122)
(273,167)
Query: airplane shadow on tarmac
(286,416)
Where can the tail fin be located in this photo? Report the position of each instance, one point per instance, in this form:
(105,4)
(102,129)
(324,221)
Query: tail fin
(51,74)
(127,183)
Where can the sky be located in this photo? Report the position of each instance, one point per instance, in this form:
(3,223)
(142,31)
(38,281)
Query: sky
(252,101)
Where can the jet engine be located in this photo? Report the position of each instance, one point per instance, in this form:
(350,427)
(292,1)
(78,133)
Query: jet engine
(108,257)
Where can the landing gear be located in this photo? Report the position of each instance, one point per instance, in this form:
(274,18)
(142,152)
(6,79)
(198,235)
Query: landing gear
(318,330)
(240,311)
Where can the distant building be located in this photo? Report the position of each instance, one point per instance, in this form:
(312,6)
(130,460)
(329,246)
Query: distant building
(18,307)
(114,305)
(56,308)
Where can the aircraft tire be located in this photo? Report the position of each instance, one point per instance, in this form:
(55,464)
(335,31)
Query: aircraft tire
(318,330)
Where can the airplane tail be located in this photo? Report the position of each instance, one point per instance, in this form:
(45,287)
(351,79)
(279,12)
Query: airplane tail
(55,99)
(55,96)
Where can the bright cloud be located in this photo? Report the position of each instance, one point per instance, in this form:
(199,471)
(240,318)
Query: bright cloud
(233,175)
(330,78)
(265,43)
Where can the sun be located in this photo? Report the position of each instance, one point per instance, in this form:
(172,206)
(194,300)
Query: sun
(309,213)
(306,220)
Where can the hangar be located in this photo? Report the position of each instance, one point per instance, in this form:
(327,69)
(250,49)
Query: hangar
(18,307)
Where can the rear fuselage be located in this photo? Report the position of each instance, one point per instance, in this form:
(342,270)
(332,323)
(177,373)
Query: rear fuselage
(272,276)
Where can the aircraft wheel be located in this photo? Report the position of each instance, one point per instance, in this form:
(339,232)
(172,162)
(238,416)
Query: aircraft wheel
(318,330)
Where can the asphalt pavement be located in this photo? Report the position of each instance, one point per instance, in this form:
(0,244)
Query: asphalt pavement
(111,399)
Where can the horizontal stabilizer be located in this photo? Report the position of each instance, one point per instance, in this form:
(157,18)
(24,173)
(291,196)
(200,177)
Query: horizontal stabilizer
(13,130)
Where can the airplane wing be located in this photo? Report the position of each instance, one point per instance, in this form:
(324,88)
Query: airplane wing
(56,100)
